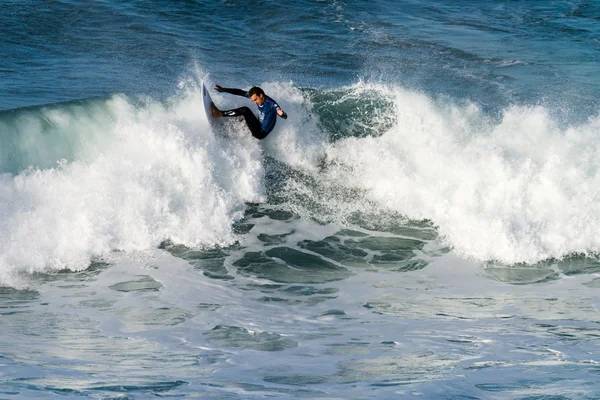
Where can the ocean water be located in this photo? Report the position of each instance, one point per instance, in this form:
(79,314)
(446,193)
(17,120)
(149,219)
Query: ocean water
(424,225)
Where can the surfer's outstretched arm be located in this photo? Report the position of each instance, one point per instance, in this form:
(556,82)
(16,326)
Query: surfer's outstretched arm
(237,92)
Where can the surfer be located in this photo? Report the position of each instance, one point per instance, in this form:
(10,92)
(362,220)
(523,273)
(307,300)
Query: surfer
(268,110)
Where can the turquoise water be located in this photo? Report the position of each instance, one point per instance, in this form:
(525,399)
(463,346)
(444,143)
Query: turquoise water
(423,225)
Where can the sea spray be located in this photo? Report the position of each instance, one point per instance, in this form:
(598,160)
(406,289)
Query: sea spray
(162,175)
(517,187)
(514,189)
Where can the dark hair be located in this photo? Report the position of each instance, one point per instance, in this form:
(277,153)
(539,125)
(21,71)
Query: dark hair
(255,91)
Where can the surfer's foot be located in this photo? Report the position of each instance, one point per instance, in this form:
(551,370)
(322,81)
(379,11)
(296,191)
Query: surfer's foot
(216,113)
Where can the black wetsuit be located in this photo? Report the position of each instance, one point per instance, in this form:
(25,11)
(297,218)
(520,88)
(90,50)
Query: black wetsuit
(262,126)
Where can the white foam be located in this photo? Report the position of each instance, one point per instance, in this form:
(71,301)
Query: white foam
(297,140)
(517,190)
(162,175)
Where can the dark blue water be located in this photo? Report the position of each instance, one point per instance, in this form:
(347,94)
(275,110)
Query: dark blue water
(425,224)
(491,52)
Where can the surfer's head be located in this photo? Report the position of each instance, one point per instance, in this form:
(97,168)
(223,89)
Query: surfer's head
(257,95)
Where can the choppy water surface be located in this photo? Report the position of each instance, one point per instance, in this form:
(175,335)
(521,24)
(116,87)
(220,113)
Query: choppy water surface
(339,314)
(424,225)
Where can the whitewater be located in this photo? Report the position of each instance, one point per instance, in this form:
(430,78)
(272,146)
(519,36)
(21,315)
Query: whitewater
(516,188)
(423,225)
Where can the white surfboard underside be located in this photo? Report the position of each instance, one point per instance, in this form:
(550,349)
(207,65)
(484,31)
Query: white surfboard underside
(206,100)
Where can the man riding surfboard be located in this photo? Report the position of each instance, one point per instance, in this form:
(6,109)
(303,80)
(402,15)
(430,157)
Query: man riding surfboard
(268,110)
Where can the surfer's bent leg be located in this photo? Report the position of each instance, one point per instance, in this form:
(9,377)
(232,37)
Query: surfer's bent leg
(251,121)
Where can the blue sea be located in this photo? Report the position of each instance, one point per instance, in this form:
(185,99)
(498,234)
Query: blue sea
(424,225)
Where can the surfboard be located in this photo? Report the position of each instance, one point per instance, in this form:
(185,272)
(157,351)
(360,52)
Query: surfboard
(206,100)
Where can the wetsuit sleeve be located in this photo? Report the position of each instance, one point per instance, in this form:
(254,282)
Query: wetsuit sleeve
(275,107)
(237,92)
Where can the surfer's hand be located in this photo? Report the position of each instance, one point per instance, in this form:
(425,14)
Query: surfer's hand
(281,113)
(218,88)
